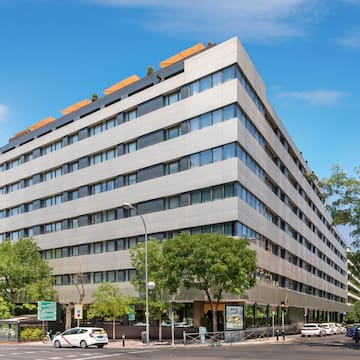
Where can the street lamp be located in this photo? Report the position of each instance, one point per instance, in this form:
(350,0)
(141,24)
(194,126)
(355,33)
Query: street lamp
(147,326)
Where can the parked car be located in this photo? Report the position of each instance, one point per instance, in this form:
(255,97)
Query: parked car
(329,328)
(81,337)
(312,329)
(341,329)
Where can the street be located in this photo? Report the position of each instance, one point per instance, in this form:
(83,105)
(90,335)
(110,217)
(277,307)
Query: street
(294,348)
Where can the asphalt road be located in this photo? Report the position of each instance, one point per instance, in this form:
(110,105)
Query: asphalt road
(330,348)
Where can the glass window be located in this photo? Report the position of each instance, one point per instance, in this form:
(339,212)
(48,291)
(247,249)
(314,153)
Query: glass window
(131,179)
(172,98)
(229,73)
(229,190)
(217,154)
(111,276)
(110,215)
(73,195)
(218,192)
(194,88)
(84,249)
(229,151)
(130,147)
(194,124)
(97,277)
(205,157)
(121,275)
(205,83)
(216,116)
(110,245)
(205,120)
(98,248)
(216,78)
(96,189)
(130,115)
(110,154)
(173,167)
(205,195)
(195,197)
(173,202)
(172,132)
(132,274)
(229,112)
(75,251)
(194,160)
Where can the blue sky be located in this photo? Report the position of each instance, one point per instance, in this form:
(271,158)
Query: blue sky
(54,53)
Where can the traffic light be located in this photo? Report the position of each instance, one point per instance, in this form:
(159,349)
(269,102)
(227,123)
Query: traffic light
(283,306)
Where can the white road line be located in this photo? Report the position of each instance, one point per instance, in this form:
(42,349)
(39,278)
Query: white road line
(100,356)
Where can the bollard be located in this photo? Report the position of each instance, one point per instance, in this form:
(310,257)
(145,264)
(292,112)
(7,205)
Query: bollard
(283,334)
(277,335)
(123,340)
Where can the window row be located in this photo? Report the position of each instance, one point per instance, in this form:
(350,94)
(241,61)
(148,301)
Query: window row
(276,250)
(95,277)
(128,243)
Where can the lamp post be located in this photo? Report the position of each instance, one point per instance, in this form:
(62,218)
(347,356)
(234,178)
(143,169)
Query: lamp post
(147,326)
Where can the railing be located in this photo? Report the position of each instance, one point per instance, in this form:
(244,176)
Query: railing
(218,337)
(207,338)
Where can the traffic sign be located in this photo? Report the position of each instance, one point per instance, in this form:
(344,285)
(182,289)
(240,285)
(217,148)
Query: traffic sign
(78,311)
(47,310)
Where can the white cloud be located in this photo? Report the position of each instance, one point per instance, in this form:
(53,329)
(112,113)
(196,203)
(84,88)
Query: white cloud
(256,19)
(4,111)
(350,40)
(315,97)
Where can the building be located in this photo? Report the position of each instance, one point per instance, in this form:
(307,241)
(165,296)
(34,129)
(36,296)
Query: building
(353,281)
(196,146)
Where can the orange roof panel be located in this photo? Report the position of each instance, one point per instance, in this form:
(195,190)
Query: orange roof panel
(19,134)
(76,106)
(182,55)
(130,80)
(41,123)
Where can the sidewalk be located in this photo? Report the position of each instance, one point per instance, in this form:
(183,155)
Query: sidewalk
(134,343)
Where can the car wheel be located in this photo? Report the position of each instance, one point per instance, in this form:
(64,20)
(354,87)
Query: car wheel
(100,346)
(83,344)
(57,344)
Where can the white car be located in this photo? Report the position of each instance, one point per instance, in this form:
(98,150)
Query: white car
(330,328)
(81,337)
(312,329)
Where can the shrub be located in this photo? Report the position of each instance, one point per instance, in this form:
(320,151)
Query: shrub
(31,333)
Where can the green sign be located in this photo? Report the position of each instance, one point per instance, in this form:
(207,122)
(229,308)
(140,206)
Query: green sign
(47,310)
(131,314)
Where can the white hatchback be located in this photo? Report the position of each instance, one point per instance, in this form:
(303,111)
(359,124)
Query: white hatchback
(81,337)
(312,329)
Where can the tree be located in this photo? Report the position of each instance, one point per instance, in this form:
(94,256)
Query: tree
(212,263)
(4,309)
(159,297)
(25,276)
(343,195)
(150,70)
(109,302)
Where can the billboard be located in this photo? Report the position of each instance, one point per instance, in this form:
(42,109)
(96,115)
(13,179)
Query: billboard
(234,317)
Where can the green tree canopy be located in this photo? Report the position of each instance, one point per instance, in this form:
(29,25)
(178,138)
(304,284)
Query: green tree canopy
(109,302)
(4,309)
(343,199)
(25,276)
(213,263)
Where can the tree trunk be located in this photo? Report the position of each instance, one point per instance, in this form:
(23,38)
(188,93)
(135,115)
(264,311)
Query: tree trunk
(68,316)
(214,318)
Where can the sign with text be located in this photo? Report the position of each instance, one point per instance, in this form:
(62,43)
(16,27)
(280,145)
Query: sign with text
(47,310)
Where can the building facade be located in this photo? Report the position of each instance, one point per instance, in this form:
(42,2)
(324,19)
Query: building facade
(196,147)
